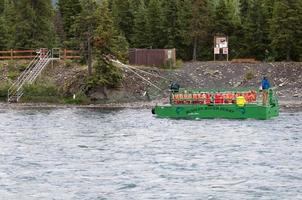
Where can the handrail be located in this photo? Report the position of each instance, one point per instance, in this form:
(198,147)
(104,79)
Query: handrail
(29,75)
(26,70)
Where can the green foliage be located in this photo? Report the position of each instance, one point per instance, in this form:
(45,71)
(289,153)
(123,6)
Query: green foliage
(68,11)
(141,36)
(113,42)
(155,24)
(111,26)
(223,23)
(286,29)
(3,90)
(105,75)
(42,93)
(123,16)
(249,76)
(200,24)
(32,23)
(3,33)
(13,74)
(80,98)
(256,31)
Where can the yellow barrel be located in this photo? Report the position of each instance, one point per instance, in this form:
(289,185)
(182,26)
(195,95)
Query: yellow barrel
(240,101)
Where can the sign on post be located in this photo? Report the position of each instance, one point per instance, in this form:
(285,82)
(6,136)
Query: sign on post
(221,46)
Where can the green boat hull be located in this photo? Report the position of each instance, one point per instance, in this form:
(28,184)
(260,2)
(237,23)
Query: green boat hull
(226,111)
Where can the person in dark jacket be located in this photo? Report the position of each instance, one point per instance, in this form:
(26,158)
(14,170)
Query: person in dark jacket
(265,85)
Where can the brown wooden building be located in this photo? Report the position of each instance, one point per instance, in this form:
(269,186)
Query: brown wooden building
(152,57)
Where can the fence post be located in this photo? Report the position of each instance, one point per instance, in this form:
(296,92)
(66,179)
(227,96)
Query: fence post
(11,54)
(65,54)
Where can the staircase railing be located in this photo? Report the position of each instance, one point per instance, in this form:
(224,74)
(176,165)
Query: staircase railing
(29,75)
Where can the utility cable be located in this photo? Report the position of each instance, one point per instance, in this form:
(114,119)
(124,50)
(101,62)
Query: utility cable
(119,64)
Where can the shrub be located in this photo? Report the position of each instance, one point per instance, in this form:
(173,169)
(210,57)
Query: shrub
(41,93)
(3,91)
(249,76)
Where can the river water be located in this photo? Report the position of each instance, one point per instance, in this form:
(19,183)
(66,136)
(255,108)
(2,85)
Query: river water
(77,153)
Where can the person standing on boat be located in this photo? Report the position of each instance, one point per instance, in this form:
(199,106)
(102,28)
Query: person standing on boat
(265,85)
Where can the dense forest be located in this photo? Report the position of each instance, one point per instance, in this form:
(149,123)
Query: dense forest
(263,29)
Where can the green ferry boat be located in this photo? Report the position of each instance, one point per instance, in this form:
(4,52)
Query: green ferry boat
(242,103)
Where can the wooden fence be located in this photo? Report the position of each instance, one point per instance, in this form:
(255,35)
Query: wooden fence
(30,54)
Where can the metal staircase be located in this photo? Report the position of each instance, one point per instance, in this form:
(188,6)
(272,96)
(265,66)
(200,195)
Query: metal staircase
(30,74)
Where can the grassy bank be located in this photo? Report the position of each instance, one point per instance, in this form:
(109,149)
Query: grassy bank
(59,83)
(54,85)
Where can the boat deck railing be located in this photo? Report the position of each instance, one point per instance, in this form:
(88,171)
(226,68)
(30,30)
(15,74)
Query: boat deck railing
(221,96)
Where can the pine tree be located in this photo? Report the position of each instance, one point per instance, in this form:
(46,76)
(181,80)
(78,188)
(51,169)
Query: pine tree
(100,37)
(268,7)
(68,12)
(2,6)
(171,11)
(84,28)
(256,37)
(223,23)
(3,33)
(123,16)
(4,36)
(244,9)
(155,24)
(183,38)
(140,35)
(234,10)
(285,29)
(109,41)
(200,23)
(32,24)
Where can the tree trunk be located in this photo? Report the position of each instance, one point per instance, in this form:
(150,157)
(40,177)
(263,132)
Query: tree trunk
(89,59)
(288,54)
(195,49)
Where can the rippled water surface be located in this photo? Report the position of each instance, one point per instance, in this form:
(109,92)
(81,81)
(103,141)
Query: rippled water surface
(129,154)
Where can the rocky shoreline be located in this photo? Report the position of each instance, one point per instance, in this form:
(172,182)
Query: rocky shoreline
(134,92)
(285,106)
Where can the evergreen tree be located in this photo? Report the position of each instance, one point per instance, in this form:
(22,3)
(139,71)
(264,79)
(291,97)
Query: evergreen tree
(4,36)
(200,23)
(99,33)
(59,28)
(140,30)
(228,25)
(123,16)
(84,27)
(256,37)
(3,33)
(33,24)
(171,11)
(183,38)
(268,7)
(244,9)
(2,6)
(109,41)
(223,23)
(155,24)
(68,10)
(286,29)
(234,10)
(9,19)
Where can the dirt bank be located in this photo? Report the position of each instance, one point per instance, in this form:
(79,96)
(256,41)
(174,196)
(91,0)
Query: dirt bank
(286,77)
(135,92)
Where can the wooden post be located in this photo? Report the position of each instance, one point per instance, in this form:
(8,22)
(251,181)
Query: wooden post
(65,54)
(11,54)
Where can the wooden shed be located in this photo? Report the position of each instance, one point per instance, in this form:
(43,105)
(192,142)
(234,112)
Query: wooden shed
(152,57)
